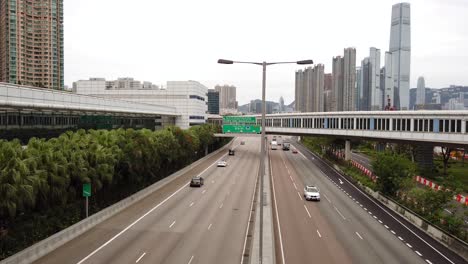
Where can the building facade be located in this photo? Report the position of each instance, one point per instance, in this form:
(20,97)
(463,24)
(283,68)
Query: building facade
(188,97)
(327,92)
(31,43)
(337,84)
(400,48)
(299,94)
(358,90)
(376,91)
(213,102)
(227,96)
(389,91)
(349,79)
(309,89)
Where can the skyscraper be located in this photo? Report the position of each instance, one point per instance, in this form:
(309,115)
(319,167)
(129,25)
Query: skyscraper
(281,104)
(337,84)
(349,79)
(376,91)
(227,96)
(357,91)
(309,89)
(299,98)
(327,90)
(388,88)
(31,42)
(400,48)
(421,92)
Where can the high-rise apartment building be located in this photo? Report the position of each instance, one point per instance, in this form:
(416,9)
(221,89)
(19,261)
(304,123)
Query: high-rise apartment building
(400,48)
(227,96)
(327,92)
(309,89)
(31,42)
(358,90)
(389,90)
(213,102)
(421,92)
(349,79)
(371,95)
(337,84)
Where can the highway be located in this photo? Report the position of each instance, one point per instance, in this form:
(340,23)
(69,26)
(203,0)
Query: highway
(362,159)
(178,224)
(346,226)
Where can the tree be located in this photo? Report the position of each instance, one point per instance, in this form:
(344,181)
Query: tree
(392,170)
(446,151)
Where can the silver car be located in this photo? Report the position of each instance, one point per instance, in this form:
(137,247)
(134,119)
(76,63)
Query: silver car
(311,193)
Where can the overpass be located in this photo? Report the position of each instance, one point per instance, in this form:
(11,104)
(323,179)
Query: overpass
(28,111)
(427,128)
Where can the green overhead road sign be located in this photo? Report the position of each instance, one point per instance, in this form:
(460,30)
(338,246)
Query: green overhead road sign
(86,189)
(240,124)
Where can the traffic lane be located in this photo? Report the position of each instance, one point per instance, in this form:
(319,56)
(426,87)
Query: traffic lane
(366,239)
(208,230)
(305,236)
(76,249)
(422,244)
(224,242)
(174,217)
(366,162)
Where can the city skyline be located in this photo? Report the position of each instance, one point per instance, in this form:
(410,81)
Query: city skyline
(93,47)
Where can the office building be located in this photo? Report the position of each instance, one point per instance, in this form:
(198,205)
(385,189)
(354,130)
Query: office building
(213,102)
(227,96)
(188,97)
(389,91)
(349,79)
(31,43)
(421,92)
(400,48)
(371,97)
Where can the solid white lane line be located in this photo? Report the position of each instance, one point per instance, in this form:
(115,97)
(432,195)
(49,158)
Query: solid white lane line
(209,226)
(326,197)
(344,218)
(319,233)
(295,187)
(144,253)
(393,232)
(428,261)
(386,226)
(300,197)
(191,204)
(221,206)
(359,235)
(204,191)
(302,155)
(172,224)
(136,221)
(417,252)
(399,237)
(250,216)
(394,218)
(190,261)
(307,211)
(277,216)
(409,245)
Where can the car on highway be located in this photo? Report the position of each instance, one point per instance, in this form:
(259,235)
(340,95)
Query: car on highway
(311,193)
(274,145)
(242,142)
(294,151)
(286,146)
(231,152)
(222,163)
(197,182)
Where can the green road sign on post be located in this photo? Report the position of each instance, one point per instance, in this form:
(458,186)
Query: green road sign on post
(86,193)
(86,189)
(240,124)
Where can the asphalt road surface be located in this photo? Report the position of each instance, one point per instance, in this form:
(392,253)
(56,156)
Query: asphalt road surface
(346,226)
(178,224)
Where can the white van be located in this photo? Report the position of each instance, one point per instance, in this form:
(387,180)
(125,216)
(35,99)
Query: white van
(274,145)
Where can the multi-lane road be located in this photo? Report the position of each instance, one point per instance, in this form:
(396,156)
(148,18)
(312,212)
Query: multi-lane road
(178,224)
(346,226)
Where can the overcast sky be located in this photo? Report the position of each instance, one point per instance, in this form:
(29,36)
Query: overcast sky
(165,40)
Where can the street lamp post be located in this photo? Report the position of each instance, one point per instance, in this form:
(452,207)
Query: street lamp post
(263,139)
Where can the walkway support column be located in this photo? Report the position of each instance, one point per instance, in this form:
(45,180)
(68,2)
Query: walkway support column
(348,149)
(425,156)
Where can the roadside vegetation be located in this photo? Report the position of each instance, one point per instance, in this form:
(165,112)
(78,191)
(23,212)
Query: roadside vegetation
(41,183)
(396,172)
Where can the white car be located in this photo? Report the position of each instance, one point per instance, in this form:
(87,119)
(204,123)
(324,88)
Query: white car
(311,193)
(222,163)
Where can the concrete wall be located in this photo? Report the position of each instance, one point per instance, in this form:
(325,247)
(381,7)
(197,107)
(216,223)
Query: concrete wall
(51,243)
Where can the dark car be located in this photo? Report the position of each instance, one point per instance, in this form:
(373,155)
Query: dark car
(286,146)
(231,152)
(196,182)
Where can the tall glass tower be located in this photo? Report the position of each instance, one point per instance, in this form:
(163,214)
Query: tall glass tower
(400,47)
(31,42)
